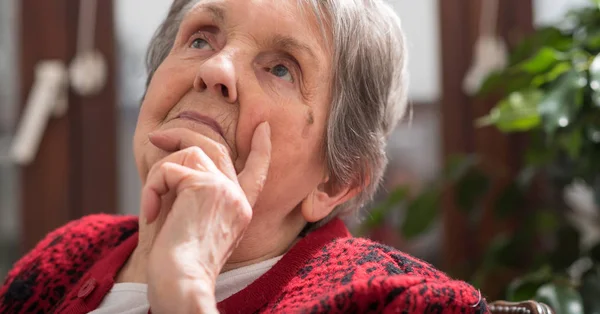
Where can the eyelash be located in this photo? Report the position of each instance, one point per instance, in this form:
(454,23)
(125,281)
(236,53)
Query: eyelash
(199,35)
(287,60)
(291,68)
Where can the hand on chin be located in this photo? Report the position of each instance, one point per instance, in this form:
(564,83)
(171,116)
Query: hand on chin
(195,209)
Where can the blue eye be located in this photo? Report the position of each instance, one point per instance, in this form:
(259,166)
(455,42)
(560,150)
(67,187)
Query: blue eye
(282,72)
(200,43)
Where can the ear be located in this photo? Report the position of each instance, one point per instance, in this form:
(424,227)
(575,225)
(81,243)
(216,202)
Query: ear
(325,197)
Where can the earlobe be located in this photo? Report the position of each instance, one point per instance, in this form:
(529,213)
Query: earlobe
(324,198)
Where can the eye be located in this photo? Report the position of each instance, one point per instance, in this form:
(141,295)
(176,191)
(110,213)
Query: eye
(283,72)
(200,43)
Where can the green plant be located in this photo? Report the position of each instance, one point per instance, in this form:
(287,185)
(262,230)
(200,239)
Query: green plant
(552,93)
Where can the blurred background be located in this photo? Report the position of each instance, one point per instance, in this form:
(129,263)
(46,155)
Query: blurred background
(446,173)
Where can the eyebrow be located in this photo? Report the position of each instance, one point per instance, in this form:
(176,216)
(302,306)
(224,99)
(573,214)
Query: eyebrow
(288,43)
(217,12)
(282,42)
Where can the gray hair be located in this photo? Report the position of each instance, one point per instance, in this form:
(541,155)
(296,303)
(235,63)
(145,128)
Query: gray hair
(368,91)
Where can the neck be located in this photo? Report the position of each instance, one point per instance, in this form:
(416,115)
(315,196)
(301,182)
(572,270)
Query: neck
(260,243)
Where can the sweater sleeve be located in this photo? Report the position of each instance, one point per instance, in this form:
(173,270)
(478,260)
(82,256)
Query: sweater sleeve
(437,297)
(41,248)
(40,279)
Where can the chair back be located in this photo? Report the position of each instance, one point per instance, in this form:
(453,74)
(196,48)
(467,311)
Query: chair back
(526,307)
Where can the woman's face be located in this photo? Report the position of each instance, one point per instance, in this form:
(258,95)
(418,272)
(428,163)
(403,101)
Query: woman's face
(240,63)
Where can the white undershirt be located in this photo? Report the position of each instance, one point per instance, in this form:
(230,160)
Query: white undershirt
(131,298)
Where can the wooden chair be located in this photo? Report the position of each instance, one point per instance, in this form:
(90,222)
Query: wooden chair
(526,307)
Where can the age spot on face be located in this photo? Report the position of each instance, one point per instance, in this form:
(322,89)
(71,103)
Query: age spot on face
(310,120)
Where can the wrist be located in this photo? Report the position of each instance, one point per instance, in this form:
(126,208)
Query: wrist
(134,270)
(203,300)
(195,297)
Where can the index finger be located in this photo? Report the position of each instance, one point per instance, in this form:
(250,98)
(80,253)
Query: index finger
(173,140)
(252,178)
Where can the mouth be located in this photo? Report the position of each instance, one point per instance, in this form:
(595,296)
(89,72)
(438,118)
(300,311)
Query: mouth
(196,117)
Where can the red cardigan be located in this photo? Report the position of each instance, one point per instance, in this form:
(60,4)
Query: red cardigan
(74,267)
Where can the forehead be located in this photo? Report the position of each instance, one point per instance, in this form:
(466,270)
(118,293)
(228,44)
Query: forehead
(292,17)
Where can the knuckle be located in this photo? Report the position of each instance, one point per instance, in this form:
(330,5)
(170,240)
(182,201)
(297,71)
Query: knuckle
(245,219)
(238,203)
(241,205)
(221,149)
(193,151)
(221,185)
(215,186)
(244,213)
(165,166)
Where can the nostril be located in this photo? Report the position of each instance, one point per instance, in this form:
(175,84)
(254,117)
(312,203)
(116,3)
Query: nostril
(201,85)
(224,91)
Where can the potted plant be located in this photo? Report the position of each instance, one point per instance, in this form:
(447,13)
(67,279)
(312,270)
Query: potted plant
(551,92)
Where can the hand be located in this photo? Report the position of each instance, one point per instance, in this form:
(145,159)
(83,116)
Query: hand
(196,210)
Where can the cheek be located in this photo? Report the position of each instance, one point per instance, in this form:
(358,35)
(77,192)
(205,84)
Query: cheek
(297,145)
(296,167)
(169,84)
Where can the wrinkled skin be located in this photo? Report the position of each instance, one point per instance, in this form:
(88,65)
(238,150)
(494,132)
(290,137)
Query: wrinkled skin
(235,186)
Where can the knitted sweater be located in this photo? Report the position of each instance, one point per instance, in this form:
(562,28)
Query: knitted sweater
(74,267)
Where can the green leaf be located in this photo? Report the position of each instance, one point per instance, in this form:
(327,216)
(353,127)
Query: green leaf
(524,288)
(400,194)
(525,177)
(550,76)
(560,105)
(567,251)
(546,222)
(592,42)
(421,213)
(510,199)
(497,247)
(509,252)
(542,61)
(595,80)
(561,297)
(492,83)
(544,37)
(595,253)
(539,154)
(378,214)
(471,189)
(457,166)
(590,290)
(572,142)
(518,112)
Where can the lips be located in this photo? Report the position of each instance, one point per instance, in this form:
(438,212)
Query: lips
(196,117)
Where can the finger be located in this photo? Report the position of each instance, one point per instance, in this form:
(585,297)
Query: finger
(177,139)
(168,177)
(193,158)
(252,178)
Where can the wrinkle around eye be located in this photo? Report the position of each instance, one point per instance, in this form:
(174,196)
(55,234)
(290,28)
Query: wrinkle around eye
(199,38)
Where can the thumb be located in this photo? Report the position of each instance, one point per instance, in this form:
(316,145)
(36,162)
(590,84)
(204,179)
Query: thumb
(252,178)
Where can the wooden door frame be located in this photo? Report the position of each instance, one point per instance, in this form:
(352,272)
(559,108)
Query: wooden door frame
(459,22)
(74,173)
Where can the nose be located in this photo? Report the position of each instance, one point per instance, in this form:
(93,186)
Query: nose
(217,75)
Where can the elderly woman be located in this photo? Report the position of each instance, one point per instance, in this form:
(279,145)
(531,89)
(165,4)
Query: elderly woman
(262,122)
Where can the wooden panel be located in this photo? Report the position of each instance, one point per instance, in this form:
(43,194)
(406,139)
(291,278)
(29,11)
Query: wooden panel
(459,22)
(95,119)
(45,189)
(74,172)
